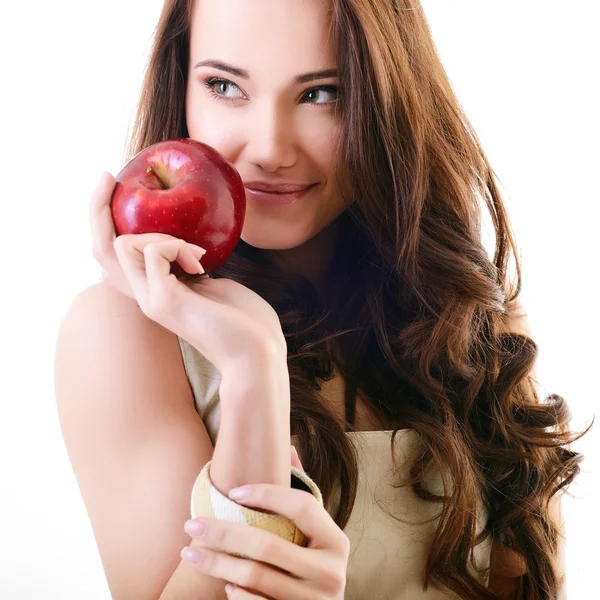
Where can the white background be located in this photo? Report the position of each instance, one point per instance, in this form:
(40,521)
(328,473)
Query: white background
(527,75)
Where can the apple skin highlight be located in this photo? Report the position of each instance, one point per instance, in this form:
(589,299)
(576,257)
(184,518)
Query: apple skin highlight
(186,189)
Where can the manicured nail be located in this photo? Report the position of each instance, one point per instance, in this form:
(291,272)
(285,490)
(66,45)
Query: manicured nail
(229,588)
(194,527)
(192,555)
(239,493)
(200,250)
(101,177)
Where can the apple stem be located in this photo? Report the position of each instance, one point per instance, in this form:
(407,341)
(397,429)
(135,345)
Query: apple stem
(152,172)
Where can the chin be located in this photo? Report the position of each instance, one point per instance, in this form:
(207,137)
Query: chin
(272,242)
(276,236)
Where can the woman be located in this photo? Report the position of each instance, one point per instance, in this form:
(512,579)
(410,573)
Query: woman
(366,307)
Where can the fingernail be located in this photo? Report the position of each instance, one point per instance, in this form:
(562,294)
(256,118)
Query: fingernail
(200,249)
(294,449)
(228,588)
(192,555)
(194,527)
(239,493)
(101,177)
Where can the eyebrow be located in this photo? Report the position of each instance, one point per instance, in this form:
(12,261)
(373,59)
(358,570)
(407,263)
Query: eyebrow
(223,66)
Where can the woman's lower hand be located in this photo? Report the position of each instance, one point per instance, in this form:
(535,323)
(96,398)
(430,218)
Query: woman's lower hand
(276,568)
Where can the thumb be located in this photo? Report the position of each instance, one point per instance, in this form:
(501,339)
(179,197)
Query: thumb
(101,197)
(296,459)
(103,178)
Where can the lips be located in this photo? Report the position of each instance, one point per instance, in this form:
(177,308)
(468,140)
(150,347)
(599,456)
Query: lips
(282,188)
(276,195)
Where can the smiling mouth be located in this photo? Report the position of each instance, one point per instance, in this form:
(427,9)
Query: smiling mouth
(282,188)
(276,198)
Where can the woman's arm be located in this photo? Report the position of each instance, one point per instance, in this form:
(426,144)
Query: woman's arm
(253,446)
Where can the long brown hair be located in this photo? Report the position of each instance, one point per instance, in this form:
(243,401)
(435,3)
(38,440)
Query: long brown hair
(416,315)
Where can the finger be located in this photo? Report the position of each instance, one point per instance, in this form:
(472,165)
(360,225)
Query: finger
(235,592)
(101,221)
(138,254)
(130,256)
(300,507)
(159,256)
(254,575)
(104,235)
(158,259)
(261,545)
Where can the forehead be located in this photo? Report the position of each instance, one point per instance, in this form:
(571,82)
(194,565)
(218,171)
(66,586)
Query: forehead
(263,35)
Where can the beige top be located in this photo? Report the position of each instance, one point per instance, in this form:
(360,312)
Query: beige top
(387,557)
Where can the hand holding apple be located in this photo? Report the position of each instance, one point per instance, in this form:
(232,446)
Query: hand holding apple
(186,189)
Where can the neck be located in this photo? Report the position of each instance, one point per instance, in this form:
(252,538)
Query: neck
(311,258)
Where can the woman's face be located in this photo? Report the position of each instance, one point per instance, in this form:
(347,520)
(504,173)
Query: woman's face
(265,108)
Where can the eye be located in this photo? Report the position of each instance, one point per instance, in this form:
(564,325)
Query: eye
(328,94)
(219,88)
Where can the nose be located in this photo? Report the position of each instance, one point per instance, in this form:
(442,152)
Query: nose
(271,144)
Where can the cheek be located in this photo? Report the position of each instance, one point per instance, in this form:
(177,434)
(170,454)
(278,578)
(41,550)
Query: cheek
(206,125)
(318,141)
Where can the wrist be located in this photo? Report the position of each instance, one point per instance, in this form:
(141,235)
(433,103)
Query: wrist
(264,369)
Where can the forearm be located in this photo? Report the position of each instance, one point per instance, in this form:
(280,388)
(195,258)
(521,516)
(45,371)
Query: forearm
(252,446)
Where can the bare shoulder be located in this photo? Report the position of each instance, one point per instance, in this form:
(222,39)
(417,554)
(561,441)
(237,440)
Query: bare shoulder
(134,439)
(104,296)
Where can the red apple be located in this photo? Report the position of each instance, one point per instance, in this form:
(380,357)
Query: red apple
(186,189)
